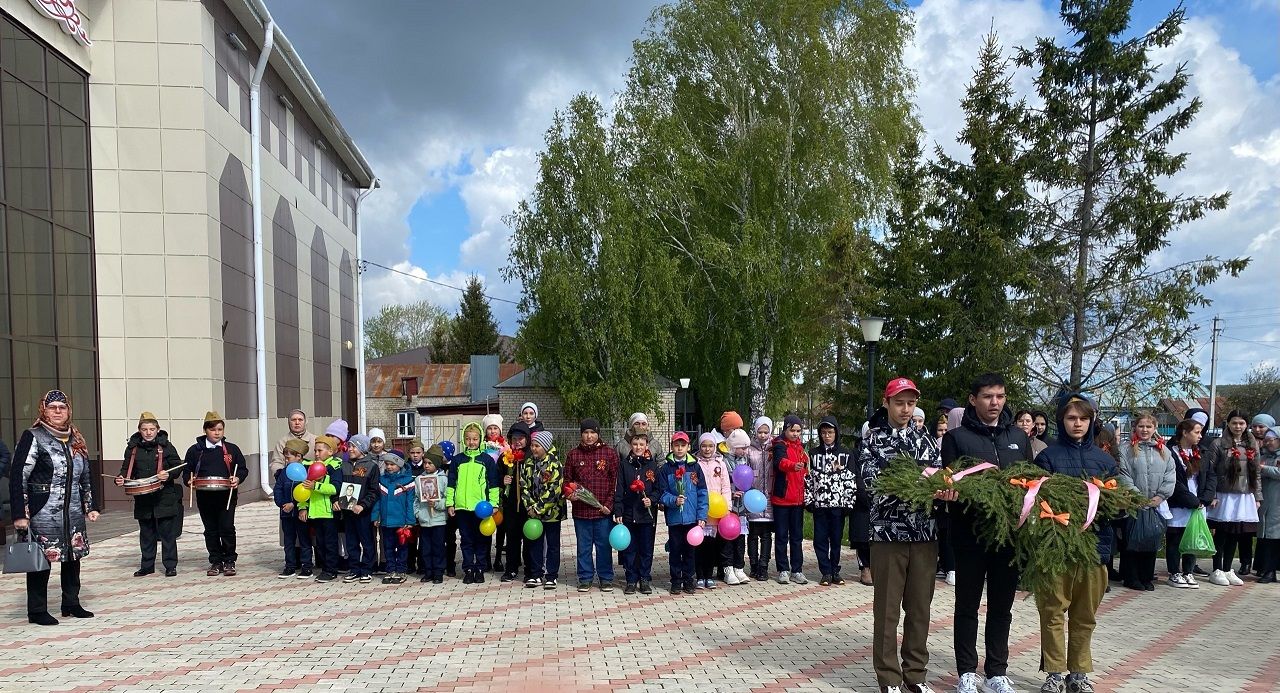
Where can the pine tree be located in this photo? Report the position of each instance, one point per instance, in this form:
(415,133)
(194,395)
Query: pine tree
(473,331)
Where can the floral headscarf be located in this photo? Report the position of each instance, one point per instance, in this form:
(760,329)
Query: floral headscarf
(70,433)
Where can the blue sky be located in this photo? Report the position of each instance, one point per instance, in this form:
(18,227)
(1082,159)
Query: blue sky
(452,106)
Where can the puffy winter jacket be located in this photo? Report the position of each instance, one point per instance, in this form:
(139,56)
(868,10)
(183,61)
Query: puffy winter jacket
(760,457)
(790,464)
(892,519)
(320,505)
(1002,445)
(1081,458)
(395,504)
(832,479)
(542,487)
(1151,468)
(695,491)
(364,471)
(472,478)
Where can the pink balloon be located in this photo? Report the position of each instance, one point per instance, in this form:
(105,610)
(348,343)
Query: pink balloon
(696,535)
(730,527)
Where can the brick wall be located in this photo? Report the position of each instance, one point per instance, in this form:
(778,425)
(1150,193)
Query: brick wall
(662,421)
(381,411)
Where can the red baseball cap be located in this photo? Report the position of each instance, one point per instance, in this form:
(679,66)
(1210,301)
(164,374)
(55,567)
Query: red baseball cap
(898,385)
(680,435)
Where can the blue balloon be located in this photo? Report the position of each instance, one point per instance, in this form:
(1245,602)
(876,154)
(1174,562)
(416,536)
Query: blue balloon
(619,537)
(484,509)
(755,501)
(295,471)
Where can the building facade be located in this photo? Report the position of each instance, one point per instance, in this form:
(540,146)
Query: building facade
(126,223)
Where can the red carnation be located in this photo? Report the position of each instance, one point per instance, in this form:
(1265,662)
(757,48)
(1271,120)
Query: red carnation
(637,485)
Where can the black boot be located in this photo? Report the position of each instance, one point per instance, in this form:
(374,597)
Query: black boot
(1267,577)
(77,611)
(42,619)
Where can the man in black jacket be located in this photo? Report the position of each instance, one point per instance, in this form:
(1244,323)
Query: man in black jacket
(986,433)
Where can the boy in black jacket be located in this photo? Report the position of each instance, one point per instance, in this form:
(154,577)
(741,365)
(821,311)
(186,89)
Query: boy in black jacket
(636,502)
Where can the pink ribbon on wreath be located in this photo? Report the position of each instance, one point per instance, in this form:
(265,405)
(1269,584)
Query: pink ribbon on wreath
(1029,500)
(972,470)
(1095,494)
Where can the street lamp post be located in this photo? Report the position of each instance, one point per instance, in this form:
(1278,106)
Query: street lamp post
(744,370)
(684,413)
(871,328)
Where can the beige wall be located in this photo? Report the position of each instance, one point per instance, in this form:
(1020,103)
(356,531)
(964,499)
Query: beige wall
(551,412)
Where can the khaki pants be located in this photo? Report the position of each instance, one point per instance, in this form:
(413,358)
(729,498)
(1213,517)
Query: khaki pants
(1072,602)
(904,580)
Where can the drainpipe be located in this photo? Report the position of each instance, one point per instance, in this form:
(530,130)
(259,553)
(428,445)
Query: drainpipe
(361,421)
(259,281)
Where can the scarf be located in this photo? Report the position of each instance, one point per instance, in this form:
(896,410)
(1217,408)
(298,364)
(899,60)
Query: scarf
(70,434)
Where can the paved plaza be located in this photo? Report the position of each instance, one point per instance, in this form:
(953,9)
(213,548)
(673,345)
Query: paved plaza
(254,632)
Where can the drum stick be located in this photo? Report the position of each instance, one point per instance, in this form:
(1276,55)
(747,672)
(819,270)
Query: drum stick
(170,469)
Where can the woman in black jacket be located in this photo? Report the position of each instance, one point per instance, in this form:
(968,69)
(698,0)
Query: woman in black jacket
(159,514)
(1194,489)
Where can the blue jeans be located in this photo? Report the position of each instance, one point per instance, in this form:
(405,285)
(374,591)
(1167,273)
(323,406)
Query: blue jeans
(297,542)
(396,554)
(544,552)
(594,534)
(788,526)
(828,533)
(681,553)
(637,558)
(362,551)
(431,550)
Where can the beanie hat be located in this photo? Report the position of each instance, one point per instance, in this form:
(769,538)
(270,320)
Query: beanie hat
(1274,432)
(706,437)
(544,438)
(638,416)
(1200,418)
(435,453)
(148,417)
(589,425)
(519,428)
(396,452)
(529,405)
(491,420)
(791,420)
(377,433)
(360,442)
(297,446)
(329,440)
(338,429)
(1263,420)
(918,414)
(761,421)
(730,420)
(737,439)
(448,448)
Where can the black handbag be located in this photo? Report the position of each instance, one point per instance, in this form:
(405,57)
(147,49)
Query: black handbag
(1144,532)
(25,557)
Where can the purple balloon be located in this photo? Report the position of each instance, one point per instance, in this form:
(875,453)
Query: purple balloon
(743,477)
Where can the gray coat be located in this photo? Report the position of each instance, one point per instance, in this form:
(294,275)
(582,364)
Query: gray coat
(656,451)
(1269,514)
(51,487)
(1150,468)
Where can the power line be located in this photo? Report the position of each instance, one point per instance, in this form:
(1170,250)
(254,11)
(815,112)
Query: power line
(1275,344)
(437,283)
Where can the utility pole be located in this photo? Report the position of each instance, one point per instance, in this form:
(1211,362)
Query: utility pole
(1213,372)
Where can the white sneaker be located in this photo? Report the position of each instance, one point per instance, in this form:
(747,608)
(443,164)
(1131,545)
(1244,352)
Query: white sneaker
(800,579)
(1233,579)
(783,577)
(968,683)
(892,689)
(1219,578)
(951,578)
(1189,580)
(1178,581)
(923,688)
(731,577)
(742,576)
(711,584)
(999,684)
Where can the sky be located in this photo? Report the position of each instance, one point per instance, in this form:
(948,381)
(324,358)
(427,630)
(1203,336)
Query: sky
(449,101)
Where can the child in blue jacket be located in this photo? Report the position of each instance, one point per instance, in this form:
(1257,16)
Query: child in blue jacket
(296,536)
(686,502)
(393,515)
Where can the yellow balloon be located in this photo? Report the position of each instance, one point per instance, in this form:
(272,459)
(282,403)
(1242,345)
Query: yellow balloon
(488,526)
(719,507)
(301,493)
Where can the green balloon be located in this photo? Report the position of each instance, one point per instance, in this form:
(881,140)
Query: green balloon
(532,529)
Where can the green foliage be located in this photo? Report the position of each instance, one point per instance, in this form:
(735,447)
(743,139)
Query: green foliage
(1099,142)
(1260,383)
(400,327)
(473,330)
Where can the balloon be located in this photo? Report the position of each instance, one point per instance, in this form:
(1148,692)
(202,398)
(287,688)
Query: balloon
(730,527)
(488,526)
(755,501)
(316,471)
(743,476)
(302,494)
(497,516)
(719,507)
(696,535)
(295,471)
(532,529)
(619,537)
(484,509)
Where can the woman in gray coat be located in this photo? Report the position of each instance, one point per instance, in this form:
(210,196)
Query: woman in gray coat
(1269,514)
(1149,463)
(49,483)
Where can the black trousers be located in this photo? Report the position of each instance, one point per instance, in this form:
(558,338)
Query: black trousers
(978,567)
(38,588)
(1268,556)
(707,557)
(1138,567)
(219,525)
(1175,562)
(510,541)
(760,545)
(733,552)
(165,531)
(326,544)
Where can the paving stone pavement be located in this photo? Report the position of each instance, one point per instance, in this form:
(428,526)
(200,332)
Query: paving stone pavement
(254,632)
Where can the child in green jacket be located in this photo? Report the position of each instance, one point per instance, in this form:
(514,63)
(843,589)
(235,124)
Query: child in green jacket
(472,479)
(541,479)
(319,509)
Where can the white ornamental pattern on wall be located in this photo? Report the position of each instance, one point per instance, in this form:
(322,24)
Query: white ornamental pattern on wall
(64,12)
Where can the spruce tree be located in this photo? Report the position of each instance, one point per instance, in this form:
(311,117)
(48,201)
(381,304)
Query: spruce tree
(473,331)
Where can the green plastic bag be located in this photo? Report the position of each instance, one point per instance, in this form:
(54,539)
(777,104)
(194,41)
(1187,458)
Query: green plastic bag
(1197,540)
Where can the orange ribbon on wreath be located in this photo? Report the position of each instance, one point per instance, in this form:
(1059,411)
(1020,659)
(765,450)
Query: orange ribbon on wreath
(1061,518)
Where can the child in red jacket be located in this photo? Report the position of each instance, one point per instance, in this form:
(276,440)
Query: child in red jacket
(790,464)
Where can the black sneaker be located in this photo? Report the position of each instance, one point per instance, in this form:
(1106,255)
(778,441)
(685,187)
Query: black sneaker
(825,581)
(645,587)
(675,587)
(425,578)
(170,572)
(533,582)
(630,588)
(143,572)
(837,580)
(214,569)
(350,578)
(304,573)
(508,577)
(1199,572)
(549,584)
(389,580)
(477,577)
(606,586)
(437,580)
(287,573)
(366,579)
(584,587)
(326,577)
(689,587)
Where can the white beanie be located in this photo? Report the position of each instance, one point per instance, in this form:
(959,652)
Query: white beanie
(491,420)
(762,421)
(737,439)
(918,414)
(1200,418)
(529,405)
(638,416)
(377,433)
